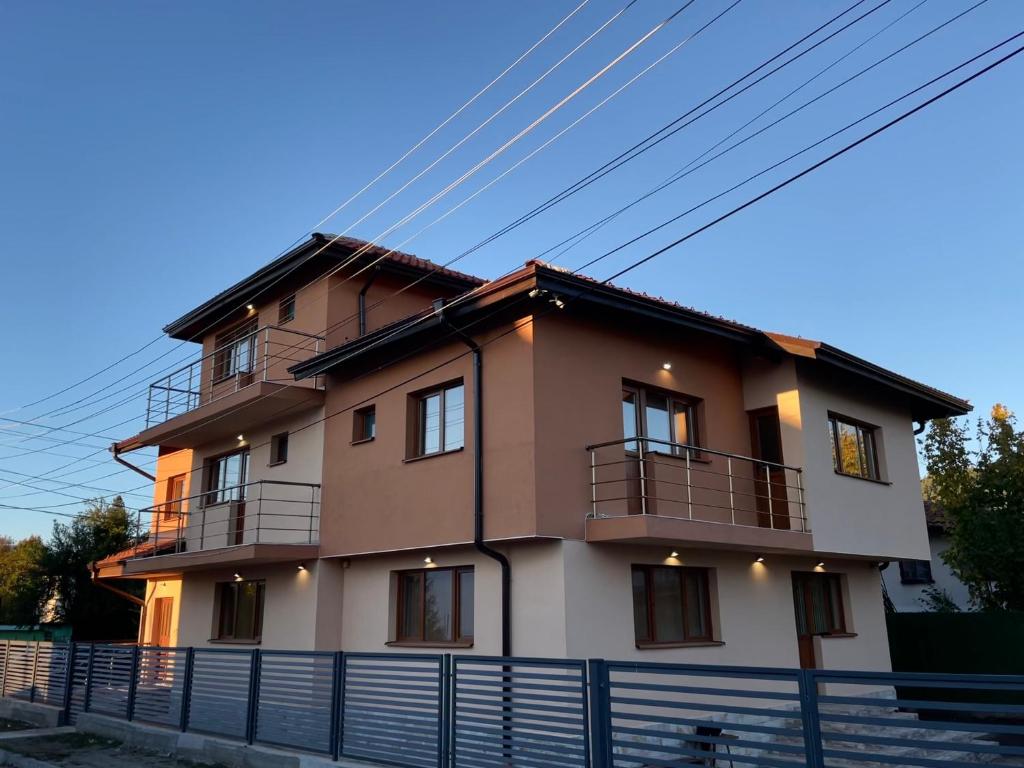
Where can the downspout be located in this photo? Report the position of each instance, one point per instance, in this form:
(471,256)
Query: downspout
(119,460)
(478,485)
(362,300)
(920,429)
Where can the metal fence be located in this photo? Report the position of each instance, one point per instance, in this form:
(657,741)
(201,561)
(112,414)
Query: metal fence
(442,711)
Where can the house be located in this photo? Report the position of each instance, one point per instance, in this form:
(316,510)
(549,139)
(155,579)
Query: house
(376,453)
(907,581)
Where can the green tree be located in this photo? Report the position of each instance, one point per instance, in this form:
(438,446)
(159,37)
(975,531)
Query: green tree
(981,492)
(94,613)
(22,580)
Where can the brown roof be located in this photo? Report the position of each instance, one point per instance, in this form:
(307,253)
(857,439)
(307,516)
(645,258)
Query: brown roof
(375,251)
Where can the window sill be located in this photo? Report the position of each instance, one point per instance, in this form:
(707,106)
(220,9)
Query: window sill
(690,644)
(917,582)
(861,477)
(416,644)
(363,441)
(277,463)
(411,459)
(835,635)
(228,641)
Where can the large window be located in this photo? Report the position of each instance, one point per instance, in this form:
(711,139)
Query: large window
(818,599)
(659,416)
(440,420)
(226,477)
(435,605)
(240,610)
(916,572)
(854,447)
(671,604)
(235,351)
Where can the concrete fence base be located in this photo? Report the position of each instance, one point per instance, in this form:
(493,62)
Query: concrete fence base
(200,747)
(39,715)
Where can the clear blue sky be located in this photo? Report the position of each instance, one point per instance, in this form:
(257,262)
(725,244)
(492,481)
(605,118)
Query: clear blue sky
(153,153)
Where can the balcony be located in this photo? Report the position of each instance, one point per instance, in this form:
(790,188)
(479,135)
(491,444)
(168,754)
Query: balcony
(260,522)
(240,382)
(645,490)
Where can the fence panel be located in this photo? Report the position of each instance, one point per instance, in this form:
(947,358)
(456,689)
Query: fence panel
(111,679)
(294,700)
(392,708)
(78,695)
(18,673)
(219,700)
(51,672)
(160,685)
(919,719)
(673,714)
(510,711)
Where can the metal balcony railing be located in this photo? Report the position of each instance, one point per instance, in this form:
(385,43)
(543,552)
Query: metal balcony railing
(647,476)
(263,355)
(261,512)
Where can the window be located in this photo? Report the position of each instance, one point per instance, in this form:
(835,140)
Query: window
(671,604)
(279,448)
(916,572)
(175,493)
(818,599)
(659,416)
(286,310)
(227,476)
(240,610)
(435,605)
(364,424)
(235,351)
(440,420)
(854,449)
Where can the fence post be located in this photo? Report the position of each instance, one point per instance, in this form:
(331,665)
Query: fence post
(254,694)
(444,698)
(809,716)
(600,714)
(7,663)
(69,680)
(35,666)
(87,699)
(133,683)
(186,687)
(337,683)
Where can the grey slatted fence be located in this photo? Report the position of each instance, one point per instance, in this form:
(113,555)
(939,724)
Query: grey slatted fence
(111,679)
(77,700)
(50,674)
(18,671)
(221,684)
(392,708)
(512,711)
(160,685)
(295,699)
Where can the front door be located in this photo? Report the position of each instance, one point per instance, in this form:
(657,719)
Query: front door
(770,493)
(160,632)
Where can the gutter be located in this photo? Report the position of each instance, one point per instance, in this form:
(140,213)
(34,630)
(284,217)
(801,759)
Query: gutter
(478,484)
(93,570)
(115,452)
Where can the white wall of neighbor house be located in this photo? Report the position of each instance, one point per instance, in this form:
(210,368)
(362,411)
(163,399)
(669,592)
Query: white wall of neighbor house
(752,608)
(907,597)
(850,515)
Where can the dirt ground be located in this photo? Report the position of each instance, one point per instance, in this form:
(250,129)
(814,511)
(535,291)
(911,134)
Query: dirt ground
(81,750)
(13,725)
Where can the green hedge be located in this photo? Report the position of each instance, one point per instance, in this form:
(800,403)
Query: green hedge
(980,643)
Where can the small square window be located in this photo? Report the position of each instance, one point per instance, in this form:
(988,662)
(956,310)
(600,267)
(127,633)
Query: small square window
(916,572)
(286,310)
(279,448)
(364,424)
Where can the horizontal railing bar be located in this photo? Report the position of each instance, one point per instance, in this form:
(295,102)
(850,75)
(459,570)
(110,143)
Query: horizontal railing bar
(686,447)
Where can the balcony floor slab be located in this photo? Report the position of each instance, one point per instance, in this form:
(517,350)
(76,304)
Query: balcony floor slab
(657,529)
(222,557)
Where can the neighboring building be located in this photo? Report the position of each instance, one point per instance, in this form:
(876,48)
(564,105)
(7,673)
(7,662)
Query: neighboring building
(906,581)
(547,465)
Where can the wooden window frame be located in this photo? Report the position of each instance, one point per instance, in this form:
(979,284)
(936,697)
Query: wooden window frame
(258,611)
(277,456)
(652,635)
(286,310)
(693,422)
(359,424)
(172,503)
(224,345)
(830,579)
(418,419)
(911,572)
(457,638)
(874,468)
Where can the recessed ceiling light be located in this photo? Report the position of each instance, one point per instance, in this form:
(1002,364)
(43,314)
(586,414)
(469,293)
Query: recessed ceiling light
(667,366)
(760,559)
(428,559)
(674,554)
(250,307)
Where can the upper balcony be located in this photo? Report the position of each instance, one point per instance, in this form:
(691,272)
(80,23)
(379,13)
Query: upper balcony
(645,490)
(243,381)
(264,521)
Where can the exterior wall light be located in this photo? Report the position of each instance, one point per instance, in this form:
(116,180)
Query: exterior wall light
(558,303)
(241,438)
(667,366)
(674,554)
(302,566)
(428,560)
(821,564)
(238,577)
(759,559)
(250,307)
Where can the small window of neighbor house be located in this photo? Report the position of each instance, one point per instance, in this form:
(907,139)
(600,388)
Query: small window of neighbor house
(916,572)
(364,424)
(279,448)
(854,447)
(286,310)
